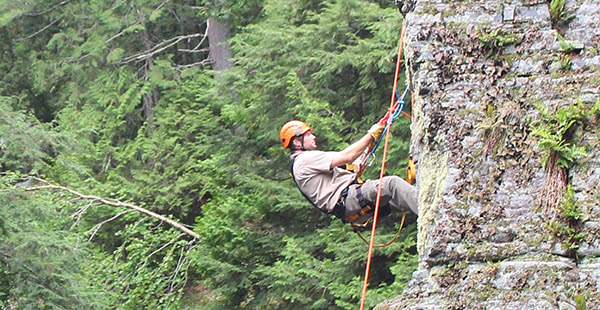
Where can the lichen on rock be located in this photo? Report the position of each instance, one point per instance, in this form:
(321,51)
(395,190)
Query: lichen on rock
(484,75)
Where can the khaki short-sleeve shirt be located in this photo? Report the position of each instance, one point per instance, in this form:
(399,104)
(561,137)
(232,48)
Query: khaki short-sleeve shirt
(322,185)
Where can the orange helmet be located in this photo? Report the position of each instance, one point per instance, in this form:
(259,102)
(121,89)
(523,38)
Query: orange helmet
(292,129)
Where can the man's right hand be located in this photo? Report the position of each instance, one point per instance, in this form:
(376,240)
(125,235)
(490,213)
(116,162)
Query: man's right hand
(353,151)
(375,132)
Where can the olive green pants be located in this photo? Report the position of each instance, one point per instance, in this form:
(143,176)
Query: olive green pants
(395,192)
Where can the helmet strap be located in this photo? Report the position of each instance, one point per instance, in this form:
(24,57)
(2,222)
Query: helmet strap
(293,148)
(302,141)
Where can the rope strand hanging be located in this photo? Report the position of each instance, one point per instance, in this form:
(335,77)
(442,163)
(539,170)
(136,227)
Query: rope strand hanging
(389,242)
(396,111)
(382,172)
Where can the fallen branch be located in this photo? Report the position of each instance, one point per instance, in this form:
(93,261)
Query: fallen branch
(114,203)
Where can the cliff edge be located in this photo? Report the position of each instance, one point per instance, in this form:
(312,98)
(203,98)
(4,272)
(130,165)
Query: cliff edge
(506,138)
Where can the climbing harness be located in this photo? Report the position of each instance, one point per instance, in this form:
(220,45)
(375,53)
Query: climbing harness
(336,211)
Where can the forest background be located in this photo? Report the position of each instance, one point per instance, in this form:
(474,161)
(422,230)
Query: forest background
(175,107)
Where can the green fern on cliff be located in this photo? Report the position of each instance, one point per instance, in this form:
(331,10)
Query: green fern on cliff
(567,226)
(559,13)
(554,132)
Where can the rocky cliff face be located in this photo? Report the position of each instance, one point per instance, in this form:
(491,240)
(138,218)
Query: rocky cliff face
(506,137)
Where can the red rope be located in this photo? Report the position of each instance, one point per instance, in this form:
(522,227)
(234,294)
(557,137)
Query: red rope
(381,174)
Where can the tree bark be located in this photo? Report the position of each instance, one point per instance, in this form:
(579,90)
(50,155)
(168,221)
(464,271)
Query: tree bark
(220,51)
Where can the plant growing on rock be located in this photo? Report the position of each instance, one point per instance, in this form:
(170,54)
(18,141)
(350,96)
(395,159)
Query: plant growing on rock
(566,46)
(555,130)
(495,40)
(565,62)
(567,226)
(580,302)
(558,12)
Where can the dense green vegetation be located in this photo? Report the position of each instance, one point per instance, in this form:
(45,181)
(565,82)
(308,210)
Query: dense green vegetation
(118,99)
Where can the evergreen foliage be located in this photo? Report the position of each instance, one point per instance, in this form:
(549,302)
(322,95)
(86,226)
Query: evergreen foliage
(112,98)
(26,145)
(42,262)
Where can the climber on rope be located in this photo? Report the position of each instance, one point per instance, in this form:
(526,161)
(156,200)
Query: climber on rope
(325,182)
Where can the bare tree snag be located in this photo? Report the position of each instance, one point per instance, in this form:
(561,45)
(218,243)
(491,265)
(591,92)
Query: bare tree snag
(220,51)
(114,203)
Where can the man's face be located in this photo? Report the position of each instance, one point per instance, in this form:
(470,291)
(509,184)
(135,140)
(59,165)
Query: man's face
(310,141)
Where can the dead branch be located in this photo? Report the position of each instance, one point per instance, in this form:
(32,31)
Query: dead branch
(39,31)
(118,34)
(80,212)
(203,37)
(183,259)
(97,226)
(159,48)
(145,260)
(121,33)
(185,50)
(200,63)
(114,203)
(161,5)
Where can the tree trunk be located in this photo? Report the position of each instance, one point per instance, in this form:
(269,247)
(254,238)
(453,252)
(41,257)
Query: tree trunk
(220,51)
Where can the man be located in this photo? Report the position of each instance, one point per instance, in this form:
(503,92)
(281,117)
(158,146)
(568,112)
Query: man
(335,190)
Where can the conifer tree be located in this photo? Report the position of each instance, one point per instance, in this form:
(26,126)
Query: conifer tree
(119,99)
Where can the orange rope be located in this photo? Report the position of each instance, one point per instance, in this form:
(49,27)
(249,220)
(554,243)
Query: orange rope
(389,242)
(381,174)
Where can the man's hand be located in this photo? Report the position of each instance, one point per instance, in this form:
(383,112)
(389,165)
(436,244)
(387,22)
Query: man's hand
(375,132)
(353,151)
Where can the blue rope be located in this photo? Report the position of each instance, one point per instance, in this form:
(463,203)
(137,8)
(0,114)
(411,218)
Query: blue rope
(397,112)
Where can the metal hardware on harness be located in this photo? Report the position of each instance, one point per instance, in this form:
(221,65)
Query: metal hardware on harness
(366,207)
(349,167)
(354,217)
(340,207)
(357,227)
